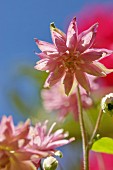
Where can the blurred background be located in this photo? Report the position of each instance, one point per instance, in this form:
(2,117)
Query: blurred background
(20,85)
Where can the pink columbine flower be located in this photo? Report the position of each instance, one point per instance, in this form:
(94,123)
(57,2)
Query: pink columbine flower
(23,146)
(56,100)
(43,143)
(70,57)
(13,139)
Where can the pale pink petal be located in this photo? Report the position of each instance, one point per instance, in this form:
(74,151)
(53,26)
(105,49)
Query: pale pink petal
(59,38)
(86,38)
(60,33)
(68,82)
(45,46)
(49,55)
(101,66)
(54,77)
(93,69)
(95,54)
(7,127)
(72,35)
(42,55)
(82,80)
(59,143)
(45,64)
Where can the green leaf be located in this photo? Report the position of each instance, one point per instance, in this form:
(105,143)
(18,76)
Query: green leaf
(104,145)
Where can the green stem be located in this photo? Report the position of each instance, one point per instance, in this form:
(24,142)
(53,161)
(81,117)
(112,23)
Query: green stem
(96,127)
(83,133)
(41,168)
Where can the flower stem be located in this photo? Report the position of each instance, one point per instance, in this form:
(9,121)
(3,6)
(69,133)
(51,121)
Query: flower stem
(41,168)
(83,133)
(96,127)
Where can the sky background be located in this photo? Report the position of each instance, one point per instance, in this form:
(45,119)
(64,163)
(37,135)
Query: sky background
(20,22)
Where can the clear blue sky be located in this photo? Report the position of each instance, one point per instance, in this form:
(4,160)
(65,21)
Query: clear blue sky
(20,22)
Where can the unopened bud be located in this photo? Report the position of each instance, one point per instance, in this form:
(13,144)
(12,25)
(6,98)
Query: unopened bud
(107,104)
(59,153)
(50,163)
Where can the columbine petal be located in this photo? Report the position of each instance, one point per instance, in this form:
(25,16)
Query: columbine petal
(95,54)
(54,77)
(106,70)
(45,46)
(72,35)
(59,38)
(68,82)
(86,38)
(45,64)
(82,80)
(42,55)
(58,143)
(93,69)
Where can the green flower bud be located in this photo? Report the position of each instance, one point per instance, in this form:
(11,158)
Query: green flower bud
(50,163)
(59,153)
(107,104)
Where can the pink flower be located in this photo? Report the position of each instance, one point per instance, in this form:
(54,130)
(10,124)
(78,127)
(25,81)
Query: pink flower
(104,38)
(24,146)
(55,99)
(12,142)
(43,143)
(101,161)
(70,57)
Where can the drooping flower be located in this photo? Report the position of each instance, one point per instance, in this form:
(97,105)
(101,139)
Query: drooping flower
(12,142)
(43,143)
(54,99)
(104,38)
(70,57)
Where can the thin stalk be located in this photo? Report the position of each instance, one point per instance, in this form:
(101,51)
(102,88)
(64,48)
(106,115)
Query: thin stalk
(41,168)
(96,127)
(83,133)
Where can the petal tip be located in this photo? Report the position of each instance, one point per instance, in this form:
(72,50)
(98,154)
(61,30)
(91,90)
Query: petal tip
(52,25)
(95,26)
(35,39)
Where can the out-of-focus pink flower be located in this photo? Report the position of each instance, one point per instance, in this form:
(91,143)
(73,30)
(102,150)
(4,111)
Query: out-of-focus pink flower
(70,57)
(23,147)
(104,16)
(13,139)
(43,143)
(55,99)
(101,161)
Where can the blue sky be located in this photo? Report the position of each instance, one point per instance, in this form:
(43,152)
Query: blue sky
(20,22)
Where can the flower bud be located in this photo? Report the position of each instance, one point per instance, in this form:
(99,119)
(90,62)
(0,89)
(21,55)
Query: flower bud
(50,163)
(107,104)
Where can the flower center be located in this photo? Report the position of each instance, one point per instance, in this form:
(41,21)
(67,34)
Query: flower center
(72,61)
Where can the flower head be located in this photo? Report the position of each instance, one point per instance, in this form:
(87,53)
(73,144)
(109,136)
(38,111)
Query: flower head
(43,143)
(55,99)
(23,146)
(70,57)
(13,140)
